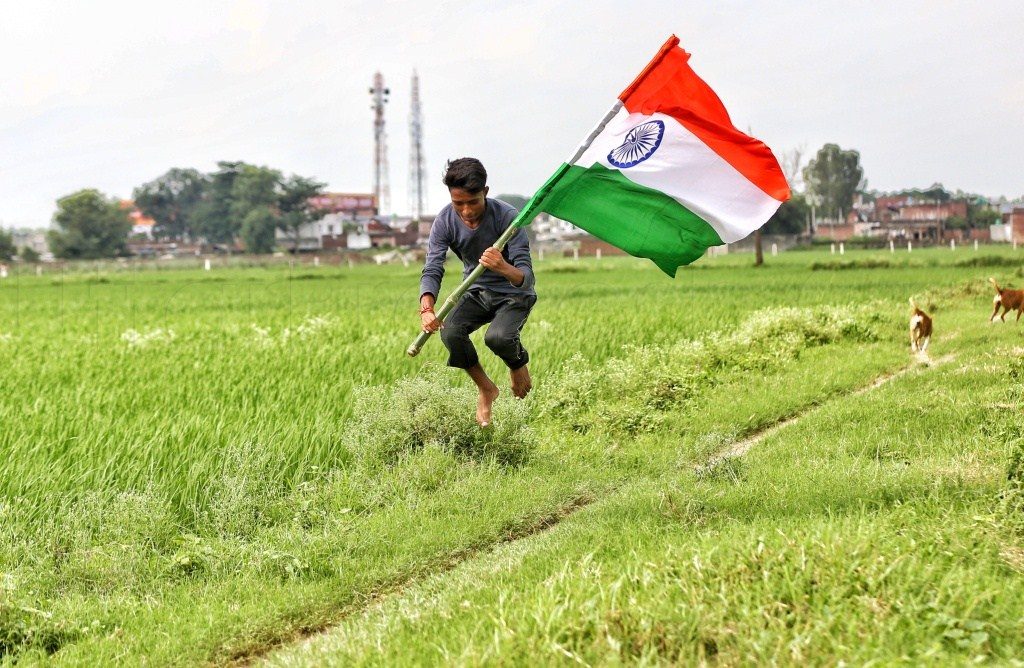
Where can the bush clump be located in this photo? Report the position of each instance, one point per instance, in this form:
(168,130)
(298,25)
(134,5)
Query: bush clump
(24,628)
(1011,502)
(839,265)
(634,393)
(988,261)
(391,421)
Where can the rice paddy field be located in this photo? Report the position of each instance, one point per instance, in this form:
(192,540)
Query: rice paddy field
(738,466)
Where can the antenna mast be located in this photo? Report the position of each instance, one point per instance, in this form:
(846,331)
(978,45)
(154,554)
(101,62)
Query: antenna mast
(416,194)
(381,189)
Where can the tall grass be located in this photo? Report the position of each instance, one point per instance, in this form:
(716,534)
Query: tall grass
(180,432)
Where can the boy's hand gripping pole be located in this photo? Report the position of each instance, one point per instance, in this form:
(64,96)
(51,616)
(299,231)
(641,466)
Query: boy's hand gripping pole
(453,299)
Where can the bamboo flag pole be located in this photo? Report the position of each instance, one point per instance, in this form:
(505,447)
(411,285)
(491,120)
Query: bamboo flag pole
(525,216)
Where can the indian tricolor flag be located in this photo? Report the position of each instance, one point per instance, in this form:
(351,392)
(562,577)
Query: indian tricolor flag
(665,175)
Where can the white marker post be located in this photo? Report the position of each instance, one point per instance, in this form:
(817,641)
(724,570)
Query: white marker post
(842,248)
(316,260)
(910,247)
(892,246)
(775,249)
(952,244)
(206,264)
(975,244)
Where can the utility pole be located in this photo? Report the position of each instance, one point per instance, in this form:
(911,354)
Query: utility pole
(381,190)
(416,162)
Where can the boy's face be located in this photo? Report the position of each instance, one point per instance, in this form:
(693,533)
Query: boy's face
(469,206)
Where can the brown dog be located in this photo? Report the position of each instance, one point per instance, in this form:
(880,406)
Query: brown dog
(920,328)
(1010,300)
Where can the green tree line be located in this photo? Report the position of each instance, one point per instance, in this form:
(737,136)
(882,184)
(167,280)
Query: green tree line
(236,202)
(834,177)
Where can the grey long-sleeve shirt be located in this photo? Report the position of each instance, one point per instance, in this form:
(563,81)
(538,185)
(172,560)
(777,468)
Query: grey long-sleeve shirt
(448,231)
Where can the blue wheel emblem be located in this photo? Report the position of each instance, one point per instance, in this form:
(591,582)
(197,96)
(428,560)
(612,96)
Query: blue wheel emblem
(640,144)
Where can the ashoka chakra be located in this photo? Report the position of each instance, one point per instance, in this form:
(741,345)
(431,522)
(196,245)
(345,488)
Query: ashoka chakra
(640,144)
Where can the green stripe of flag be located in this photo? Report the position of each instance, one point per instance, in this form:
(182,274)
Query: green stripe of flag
(639,220)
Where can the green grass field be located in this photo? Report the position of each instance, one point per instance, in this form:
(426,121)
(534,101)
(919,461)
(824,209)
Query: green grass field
(741,465)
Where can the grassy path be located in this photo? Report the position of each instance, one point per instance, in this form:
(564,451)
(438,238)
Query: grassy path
(841,537)
(575,505)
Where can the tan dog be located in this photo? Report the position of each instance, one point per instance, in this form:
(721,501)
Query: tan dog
(920,328)
(1010,300)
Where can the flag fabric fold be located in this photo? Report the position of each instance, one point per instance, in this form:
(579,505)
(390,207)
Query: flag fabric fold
(665,175)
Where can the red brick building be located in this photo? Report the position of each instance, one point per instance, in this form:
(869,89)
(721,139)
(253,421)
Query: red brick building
(1014,220)
(354,205)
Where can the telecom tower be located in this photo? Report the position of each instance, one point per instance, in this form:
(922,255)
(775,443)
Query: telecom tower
(381,189)
(416,194)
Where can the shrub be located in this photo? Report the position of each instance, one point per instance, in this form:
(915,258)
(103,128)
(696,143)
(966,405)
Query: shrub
(241,497)
(24,628)
(837,265)
(635,392)
(988,261)
(1011,502)
(390,422)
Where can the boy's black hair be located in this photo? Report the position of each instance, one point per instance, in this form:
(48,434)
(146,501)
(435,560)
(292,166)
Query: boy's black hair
(465,173)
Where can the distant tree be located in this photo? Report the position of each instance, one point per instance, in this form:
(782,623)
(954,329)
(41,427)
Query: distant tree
(294,205)
(792,164)
(956,222)
(171,201)
(981,218)
(253,188)
(258,229)
(232,193)
(90,225)
(212,217)
(935,193)
(833,177)
(518,201)
(791,217)
(6,245)
(29,254)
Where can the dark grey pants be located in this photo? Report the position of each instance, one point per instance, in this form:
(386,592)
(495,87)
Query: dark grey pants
(507,314)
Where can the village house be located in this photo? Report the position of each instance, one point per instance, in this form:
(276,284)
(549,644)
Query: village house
(900,217)
(1011,227)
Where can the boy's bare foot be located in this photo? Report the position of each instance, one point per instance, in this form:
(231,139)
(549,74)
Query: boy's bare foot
(483,406)
(521,382)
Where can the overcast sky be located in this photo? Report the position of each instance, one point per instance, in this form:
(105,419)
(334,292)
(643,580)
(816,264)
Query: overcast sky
(110,94)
